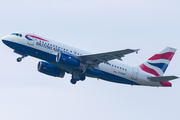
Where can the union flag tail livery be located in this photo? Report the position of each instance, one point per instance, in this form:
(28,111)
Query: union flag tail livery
(158,63)
(59,59)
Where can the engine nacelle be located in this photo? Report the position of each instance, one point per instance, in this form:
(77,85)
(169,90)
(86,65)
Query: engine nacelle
(68,60)
(50,69)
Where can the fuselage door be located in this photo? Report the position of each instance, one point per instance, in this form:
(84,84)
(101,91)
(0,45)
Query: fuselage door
(135,73)
(30,39)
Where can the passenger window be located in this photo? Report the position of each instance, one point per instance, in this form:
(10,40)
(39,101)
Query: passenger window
(117,66)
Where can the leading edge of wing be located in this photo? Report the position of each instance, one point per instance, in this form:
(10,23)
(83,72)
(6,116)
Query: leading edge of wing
(106,56)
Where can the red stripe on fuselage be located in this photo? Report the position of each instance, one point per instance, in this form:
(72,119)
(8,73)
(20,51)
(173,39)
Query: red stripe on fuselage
(148,70)
(167,56)
(38,38)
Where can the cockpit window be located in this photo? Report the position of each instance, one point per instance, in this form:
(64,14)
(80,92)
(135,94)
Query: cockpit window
(13,34)
(17,34)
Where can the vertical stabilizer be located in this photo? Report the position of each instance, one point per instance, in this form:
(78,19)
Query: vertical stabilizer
(158,63)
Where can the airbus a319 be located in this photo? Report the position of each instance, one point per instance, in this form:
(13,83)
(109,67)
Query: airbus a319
(59,59)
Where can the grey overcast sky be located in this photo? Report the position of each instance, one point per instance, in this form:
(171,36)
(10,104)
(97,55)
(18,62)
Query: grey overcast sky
(94,26)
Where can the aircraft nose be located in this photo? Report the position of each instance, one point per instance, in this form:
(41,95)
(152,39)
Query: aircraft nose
(6,39)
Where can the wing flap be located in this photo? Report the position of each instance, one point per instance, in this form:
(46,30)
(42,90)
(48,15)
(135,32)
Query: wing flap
(162,78)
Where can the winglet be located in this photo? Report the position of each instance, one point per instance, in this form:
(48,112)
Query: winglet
(136,50)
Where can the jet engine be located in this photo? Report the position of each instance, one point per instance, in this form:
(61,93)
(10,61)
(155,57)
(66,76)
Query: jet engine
(49,69)
(68,60)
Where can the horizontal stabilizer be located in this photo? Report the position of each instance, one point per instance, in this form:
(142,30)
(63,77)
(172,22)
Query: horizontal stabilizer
(162,78)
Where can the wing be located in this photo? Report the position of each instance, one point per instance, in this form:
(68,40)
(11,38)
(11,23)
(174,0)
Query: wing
(95,59)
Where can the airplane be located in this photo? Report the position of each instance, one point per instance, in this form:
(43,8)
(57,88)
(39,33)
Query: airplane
(59,59)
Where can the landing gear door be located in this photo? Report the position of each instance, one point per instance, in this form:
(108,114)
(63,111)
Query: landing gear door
(135,74)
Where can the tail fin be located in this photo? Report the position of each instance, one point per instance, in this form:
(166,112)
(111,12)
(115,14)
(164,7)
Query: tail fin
(158,63)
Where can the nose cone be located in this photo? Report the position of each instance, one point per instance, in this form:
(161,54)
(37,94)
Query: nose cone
(7,40)
(166,84)
(3,39)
